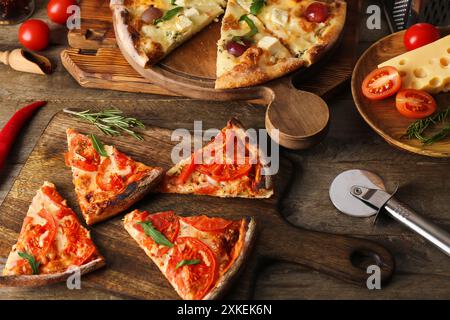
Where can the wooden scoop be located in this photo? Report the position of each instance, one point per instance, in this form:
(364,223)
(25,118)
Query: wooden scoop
(26,61)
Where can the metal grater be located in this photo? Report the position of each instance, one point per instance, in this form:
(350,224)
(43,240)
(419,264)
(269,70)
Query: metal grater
(403,13)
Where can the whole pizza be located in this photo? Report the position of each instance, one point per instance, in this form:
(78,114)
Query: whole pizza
(260,39)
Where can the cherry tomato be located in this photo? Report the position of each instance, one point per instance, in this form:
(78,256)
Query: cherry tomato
(237,49)
(381,83)
(415,104)
(420,34)
(34,34)
(57,10)
(317,12)
(195,280)
(204,223)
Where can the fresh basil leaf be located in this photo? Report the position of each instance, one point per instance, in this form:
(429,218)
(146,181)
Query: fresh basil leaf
(157,236)
(251,24)
(98,146)
(169,14)
(186,263)
(31,260)
(256,6)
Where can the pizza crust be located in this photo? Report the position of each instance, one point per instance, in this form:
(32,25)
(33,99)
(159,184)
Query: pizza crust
(46,279)
(123,35)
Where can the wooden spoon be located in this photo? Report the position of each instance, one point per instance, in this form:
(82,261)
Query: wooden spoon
(26,61)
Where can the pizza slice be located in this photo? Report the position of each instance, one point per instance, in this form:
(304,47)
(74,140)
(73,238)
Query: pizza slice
(308,28)
(148,30)
(109,183)
(199,255)
(247,53)
(51,241)
(231,165)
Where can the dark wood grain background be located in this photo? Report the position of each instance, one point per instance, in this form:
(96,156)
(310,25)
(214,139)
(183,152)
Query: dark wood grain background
(422,271)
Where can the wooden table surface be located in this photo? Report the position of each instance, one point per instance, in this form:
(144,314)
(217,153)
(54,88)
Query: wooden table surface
(422,271)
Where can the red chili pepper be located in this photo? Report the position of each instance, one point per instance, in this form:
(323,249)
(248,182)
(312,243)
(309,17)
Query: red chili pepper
(12,128)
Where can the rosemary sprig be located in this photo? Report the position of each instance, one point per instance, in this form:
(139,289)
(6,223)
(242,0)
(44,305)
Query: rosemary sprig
(417,128)
(111,121)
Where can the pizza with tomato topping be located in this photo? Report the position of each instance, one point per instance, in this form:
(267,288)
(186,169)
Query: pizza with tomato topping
(108,183)
(231,165)
(199,255)
(52,240)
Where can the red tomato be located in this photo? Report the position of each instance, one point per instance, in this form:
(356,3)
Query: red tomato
(186,172)
(204,223)
(201,275)
(82,154)
(110,181)
(415,104)
(166,222)
(57,10)
(420,34)
(317,12)
(225,172)
(34,238)
(381,83)
(34,34)
(52,194)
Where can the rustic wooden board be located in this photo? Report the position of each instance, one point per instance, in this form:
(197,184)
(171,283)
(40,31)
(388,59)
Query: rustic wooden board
(95,61)
(129,273)
(382,116)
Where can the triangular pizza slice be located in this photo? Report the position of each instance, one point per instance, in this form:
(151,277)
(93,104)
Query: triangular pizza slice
(108,183)
(199,255)
(309,28)
(148,30)
(51,240)
(231,165)
(247,53)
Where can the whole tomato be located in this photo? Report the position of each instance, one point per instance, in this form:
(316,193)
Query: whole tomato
(57,10)
(34,34)
(420,34)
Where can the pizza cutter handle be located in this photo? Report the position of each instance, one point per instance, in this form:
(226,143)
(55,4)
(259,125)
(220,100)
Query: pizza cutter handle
(342,257)
(430,231)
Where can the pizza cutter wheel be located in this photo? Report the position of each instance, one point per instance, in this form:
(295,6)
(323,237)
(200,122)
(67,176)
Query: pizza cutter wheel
(362,193)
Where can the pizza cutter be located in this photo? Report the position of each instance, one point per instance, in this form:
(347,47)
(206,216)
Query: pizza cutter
(361,193)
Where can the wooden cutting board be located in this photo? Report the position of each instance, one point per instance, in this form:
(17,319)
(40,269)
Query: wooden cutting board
(95,61)
(129,272)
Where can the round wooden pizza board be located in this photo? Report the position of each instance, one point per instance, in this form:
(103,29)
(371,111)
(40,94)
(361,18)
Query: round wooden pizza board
(190,70)
(382,115)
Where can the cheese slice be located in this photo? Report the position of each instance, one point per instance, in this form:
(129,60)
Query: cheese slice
(425,68)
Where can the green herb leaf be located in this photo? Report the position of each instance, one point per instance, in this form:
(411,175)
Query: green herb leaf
(251,24)
(157,236)
(172,2)
(169,14)
(186,263)
(111,121)
(256,6)
(418,127)
(33,263)
(98,145)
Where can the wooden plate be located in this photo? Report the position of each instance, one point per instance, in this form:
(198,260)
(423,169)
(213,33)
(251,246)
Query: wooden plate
(382,116)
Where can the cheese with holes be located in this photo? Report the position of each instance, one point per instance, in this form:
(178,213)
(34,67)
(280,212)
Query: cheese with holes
(425,68)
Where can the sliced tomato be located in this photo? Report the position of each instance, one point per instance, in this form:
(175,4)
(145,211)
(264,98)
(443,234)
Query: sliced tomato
(166,222)
(415,104)
(381,83)
(186,172)
(193,280)
(39,238)
(108,180)
(207,190)
(82,154)
(204,223)
(52,194)
(225,172)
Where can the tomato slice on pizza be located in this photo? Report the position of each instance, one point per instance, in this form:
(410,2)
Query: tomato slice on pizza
(199,255)
(51,240)
(106,184)
(228,166)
